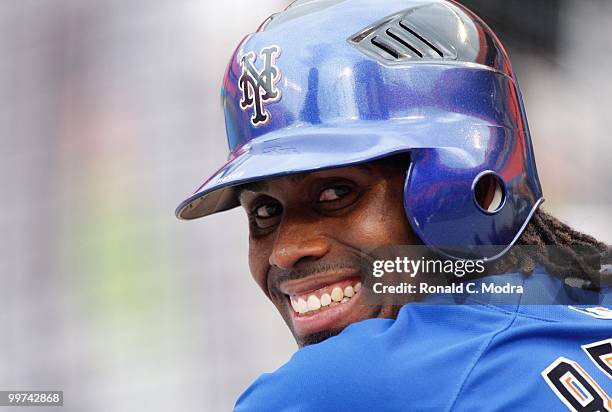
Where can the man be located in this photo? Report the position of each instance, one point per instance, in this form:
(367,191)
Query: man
(361,124)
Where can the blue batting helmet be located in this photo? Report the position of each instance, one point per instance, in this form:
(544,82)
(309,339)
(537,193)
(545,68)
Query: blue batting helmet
(329,83)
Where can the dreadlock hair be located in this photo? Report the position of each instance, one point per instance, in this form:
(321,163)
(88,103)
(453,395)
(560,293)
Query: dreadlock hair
(563,251)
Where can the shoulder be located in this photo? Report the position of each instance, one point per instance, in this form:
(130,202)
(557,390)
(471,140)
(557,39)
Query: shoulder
(382,360)
(437,356)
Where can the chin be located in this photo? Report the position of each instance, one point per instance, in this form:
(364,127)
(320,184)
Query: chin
(317,337)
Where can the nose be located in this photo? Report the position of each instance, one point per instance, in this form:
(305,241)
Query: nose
(298,242)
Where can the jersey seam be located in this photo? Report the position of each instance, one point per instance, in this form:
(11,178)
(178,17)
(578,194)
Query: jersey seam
(515,315)
(480,357)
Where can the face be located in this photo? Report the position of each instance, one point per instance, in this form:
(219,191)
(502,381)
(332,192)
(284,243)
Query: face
(307,233)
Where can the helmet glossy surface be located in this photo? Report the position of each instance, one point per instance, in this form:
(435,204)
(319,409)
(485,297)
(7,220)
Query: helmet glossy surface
(331,83)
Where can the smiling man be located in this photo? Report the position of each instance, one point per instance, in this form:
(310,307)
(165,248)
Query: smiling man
(401,123)
(307,236)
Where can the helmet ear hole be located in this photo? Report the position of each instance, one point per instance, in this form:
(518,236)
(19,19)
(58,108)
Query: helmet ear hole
(489,192)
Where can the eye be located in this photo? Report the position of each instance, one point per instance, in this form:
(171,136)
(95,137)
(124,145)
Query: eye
(265,215)
(333,198)
(267,210)
(334,193)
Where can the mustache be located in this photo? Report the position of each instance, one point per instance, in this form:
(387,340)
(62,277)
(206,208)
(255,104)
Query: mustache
(281,275)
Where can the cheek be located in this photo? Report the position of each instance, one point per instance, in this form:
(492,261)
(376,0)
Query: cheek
(259,262)
(382,220)
(396,221)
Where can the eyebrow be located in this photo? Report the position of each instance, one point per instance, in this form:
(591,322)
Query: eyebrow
(261,185)
(256,186)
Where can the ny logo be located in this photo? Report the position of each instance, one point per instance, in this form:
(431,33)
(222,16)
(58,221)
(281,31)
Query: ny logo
(259,87)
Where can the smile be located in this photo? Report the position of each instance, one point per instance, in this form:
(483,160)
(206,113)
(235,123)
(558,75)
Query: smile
(323,301)
(324,298)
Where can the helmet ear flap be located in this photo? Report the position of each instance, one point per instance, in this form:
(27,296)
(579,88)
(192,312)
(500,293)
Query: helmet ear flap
(442,206)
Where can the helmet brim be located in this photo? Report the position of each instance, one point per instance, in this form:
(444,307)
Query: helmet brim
(311,148)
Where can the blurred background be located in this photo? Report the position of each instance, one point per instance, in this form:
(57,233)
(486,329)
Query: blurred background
(110,115)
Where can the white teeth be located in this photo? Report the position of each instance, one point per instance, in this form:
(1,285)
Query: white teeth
(348,291)
(337,294)
(302,306)
(325,299)
(313,303)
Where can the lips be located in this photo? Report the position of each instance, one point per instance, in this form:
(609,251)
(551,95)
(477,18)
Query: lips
(319,303)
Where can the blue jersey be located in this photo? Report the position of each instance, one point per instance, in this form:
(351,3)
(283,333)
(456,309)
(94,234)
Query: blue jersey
(469,357)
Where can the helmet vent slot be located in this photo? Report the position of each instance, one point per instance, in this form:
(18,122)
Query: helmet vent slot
(385,47)
(404,26)
(408,36)
(403,42)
